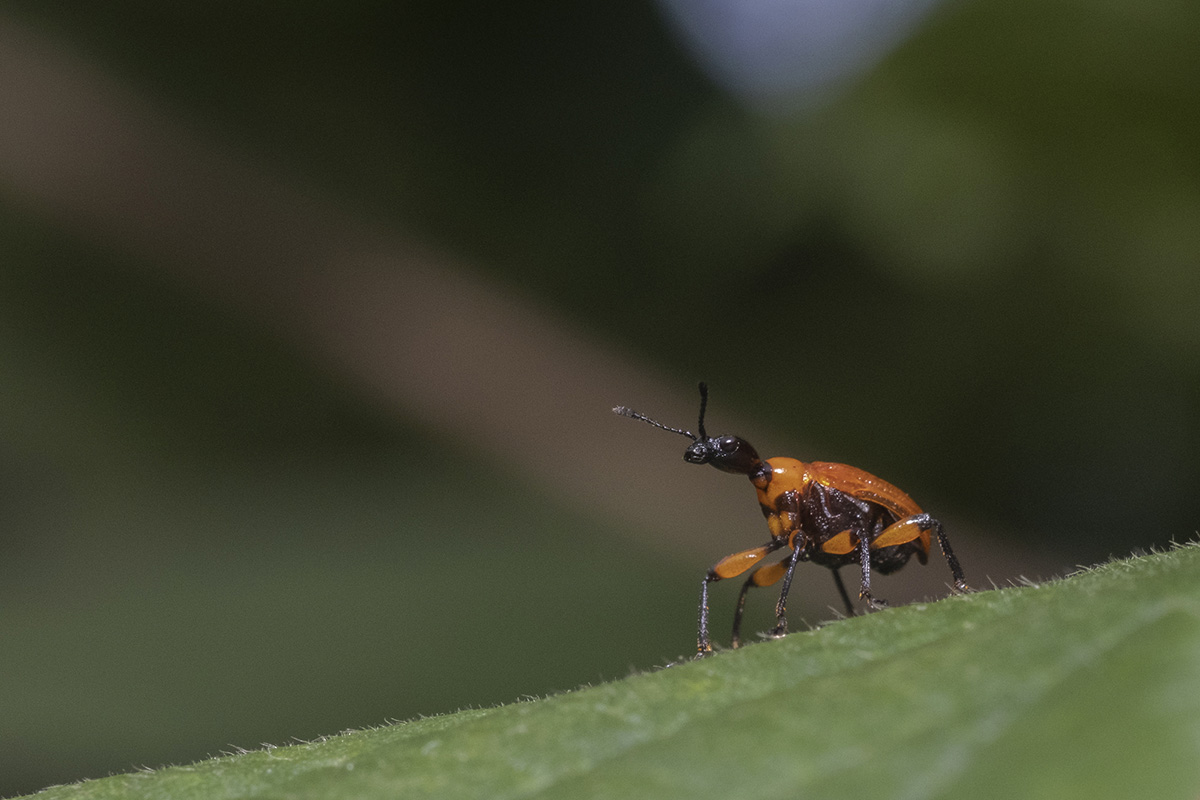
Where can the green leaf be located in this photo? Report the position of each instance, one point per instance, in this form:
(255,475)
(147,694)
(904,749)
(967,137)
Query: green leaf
(1083,687)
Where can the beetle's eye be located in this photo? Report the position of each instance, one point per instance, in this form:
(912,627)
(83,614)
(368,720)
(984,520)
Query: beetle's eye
(728,445)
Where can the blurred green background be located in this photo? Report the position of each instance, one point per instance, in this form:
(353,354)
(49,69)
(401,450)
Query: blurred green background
(311,318)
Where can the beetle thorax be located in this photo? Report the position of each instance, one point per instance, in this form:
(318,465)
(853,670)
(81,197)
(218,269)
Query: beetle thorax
(780,489)
(785,474)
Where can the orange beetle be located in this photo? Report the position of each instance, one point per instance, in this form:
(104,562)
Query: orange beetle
(830,514)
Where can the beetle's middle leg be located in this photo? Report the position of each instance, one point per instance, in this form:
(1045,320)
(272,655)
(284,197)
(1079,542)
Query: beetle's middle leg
(864,558)
(780,628)
(761,577)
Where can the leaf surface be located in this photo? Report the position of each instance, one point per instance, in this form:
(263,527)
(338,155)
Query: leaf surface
(1083,687)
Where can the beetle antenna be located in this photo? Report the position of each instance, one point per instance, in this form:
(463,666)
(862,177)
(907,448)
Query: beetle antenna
(703,405)
(629,412)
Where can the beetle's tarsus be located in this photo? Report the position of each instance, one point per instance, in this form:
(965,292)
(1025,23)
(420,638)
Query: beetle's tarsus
(873,603)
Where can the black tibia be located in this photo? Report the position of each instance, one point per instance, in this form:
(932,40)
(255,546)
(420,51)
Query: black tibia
(703,646)
(736,639)
(781,607)
(927,522)
(841,587)
(864,556)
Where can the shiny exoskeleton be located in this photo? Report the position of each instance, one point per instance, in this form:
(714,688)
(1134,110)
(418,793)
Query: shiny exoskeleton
(830,514)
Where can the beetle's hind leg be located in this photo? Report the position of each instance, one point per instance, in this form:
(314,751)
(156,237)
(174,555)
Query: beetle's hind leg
(918,526)
(960,581)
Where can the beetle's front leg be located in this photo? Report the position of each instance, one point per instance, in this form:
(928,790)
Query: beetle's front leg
(703,646)
(728,567)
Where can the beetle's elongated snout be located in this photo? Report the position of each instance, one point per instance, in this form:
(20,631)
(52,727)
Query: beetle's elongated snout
(698,453)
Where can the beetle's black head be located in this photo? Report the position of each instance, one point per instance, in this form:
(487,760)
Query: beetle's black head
(726,453)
